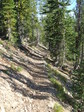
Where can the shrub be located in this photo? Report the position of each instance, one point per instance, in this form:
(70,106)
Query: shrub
(58,108)
(1,42)
(19,69)
(15,68)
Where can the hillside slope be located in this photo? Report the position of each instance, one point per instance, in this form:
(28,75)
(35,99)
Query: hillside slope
(24,83)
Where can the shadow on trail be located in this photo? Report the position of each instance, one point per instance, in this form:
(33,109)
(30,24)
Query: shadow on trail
(37,71)
(24,61)
(13,76)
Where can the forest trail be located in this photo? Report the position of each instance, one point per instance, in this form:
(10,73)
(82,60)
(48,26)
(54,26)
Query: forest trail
(24,82)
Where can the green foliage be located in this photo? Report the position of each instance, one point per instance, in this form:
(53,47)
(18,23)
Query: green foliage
(78,87)
(1,42)
(27,18)
(59,87)
(9,19)
(18,20)
(63,34)
(16,68)
(58,108)
(58,82)
(62,78)
(55,12)
(19,69)
(70,37)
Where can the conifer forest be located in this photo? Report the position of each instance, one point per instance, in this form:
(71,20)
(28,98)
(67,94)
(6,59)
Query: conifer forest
(41,55)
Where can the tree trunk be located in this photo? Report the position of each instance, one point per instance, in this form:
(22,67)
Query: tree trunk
(82,51)
(64,47)
(9,31)
(78,38)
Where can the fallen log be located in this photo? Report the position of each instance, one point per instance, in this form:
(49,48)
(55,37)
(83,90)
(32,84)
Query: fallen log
(28,50)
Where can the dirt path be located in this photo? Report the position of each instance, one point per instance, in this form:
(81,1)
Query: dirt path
(28,90)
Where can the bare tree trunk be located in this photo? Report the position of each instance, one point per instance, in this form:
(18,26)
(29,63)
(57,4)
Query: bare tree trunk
(9,31)
(38,39)
(64,47)
(78,23)
(82,51)
(78,38)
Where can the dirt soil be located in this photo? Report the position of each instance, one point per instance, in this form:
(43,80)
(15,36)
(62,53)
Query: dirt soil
(28,90)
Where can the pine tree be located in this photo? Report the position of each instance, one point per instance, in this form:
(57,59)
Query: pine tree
(26,19)
(78,88)
(55,26)
(70,37)
(9,20)
(34,20)
(79,29)
(22,9)
(2,29)
(82,33)
(78,78)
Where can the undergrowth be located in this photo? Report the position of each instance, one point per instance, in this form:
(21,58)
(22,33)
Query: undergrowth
(61,90)
(58,108)
(16,68)
(62,78)
(1,42)
(1,53)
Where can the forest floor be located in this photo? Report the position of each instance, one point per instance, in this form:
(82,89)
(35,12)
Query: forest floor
(24,81)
